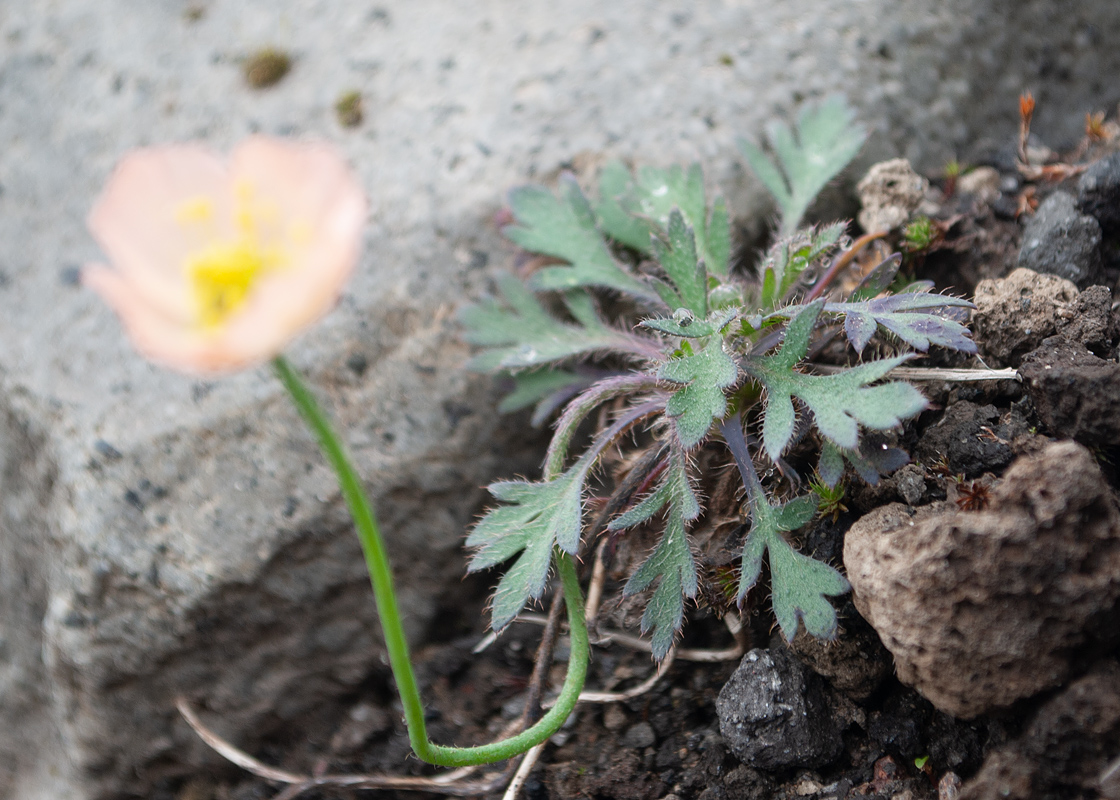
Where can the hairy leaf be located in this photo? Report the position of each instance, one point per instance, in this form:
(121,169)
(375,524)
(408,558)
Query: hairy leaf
(659,191)
(910,317)
(564,227)
(671,561)
(688,326)
(840,402)
(789,258)
(913,317)
(825,142)
(677,256)
(799,585)
(616,190)
(526,335)
(705,374)
(540,516)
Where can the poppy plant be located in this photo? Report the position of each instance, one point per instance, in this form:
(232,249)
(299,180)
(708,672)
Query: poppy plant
(215,267)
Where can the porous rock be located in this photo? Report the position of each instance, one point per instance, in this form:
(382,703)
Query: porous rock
(982,608)
(889,194)
(1014,314)
(1060,240)
(773,713)
(1068,749)
(1075,394)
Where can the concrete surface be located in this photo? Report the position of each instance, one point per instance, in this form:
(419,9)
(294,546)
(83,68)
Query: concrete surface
(160,535)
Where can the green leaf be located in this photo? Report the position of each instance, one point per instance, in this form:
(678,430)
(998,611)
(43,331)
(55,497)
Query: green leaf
(686,326)
(564,227)
(911,316)
(799,587)
(799,584)
(526,335)
(840,402)
(789,258)
(718,239)
(677,256)
(616,187)
(540,516)
(659,191)
(671,561)
(547,388)
(827,139)
(705,374)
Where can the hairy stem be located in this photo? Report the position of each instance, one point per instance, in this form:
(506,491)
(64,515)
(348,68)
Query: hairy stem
(377,561)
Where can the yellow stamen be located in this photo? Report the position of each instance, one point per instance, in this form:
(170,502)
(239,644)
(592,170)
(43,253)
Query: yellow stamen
(223,273)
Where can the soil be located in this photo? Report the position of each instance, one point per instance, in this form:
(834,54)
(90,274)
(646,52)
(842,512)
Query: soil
(986,471)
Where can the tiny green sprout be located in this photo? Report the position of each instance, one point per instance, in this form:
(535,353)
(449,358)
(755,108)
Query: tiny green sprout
(920,235)
(726,59)
(921,762)
(348,109)
(952,171)
(266,67)
(830,497)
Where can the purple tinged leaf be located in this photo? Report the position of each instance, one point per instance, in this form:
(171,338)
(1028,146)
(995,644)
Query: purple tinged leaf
(878,280)
(859,328)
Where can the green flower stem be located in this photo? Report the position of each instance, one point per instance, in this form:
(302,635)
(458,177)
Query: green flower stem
(381,577)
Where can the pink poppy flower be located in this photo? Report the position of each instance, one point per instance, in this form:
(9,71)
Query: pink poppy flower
(216,265)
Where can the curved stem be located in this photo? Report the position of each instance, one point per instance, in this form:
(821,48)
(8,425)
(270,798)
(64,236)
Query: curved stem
(377,561)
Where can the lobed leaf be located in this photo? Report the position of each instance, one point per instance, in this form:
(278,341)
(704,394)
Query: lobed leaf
(524,334)
(839,402)
(910,317)
(705,374)
(657,192)
(564,227)
(827,139)
(540,515)
(687,326)
(799,585)
(671,564)
(677,256)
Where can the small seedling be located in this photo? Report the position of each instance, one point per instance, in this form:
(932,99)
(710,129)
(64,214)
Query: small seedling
(266,67)
(707,351)
(830,499)
(920,235)
(952,172)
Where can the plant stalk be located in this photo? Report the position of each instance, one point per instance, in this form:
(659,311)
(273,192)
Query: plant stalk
(381,577)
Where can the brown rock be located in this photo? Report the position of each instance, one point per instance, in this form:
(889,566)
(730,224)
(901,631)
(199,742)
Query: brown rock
(1015,314)
(983,608)
(1065,750)
(889,193)
(1075,394)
